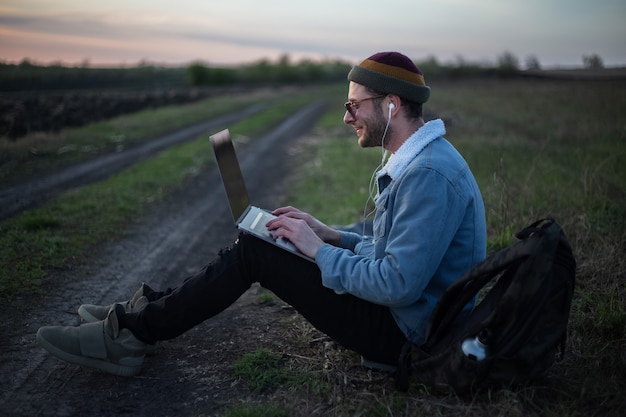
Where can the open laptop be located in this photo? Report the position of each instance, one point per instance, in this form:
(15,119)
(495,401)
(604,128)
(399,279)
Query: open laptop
(248,218)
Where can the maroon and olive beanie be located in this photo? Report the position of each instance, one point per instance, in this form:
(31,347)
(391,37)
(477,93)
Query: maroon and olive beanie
(392,73)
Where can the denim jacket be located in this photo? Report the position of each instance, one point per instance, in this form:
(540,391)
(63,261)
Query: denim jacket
(429,229)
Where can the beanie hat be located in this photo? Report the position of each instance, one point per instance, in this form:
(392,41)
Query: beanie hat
(392,73)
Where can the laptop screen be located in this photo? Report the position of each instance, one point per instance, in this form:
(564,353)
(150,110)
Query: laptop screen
(231,173)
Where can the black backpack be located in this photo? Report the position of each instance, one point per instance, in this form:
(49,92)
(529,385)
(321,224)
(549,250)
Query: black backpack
(519,325)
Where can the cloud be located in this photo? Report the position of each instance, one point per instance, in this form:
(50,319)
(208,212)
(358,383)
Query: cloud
(240,31)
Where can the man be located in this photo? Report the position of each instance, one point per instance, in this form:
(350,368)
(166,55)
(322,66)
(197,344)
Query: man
(368,293)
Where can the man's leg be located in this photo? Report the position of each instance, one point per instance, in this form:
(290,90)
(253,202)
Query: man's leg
(367,328)
(200,297)
(359,325)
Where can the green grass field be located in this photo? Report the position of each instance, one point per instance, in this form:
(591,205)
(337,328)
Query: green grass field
(537,148)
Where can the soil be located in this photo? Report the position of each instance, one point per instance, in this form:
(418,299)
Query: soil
(192,374)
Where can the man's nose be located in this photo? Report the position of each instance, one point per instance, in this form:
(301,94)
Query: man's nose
(347,118)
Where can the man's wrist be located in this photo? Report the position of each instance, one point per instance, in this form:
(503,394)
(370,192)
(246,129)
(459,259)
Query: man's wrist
(333,237)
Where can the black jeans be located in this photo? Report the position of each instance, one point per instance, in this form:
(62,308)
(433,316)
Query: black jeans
(362,326)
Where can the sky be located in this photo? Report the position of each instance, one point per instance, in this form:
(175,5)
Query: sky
(231,32)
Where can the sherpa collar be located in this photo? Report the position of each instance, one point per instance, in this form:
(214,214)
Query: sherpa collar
(398,162)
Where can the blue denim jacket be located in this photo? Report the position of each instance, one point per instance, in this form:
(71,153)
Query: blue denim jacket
(429,229)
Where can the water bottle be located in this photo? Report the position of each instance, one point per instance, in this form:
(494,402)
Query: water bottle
(475,348)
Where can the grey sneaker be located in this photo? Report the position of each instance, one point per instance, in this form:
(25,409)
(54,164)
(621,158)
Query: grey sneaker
(101,345)
(91,313)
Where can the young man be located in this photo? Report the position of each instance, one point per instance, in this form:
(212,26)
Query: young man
(368,293)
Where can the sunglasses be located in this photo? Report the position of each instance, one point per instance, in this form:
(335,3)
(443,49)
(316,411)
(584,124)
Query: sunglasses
(353,106)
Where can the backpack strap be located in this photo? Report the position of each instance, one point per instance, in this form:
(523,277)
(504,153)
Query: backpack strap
(462,291)
(528,286)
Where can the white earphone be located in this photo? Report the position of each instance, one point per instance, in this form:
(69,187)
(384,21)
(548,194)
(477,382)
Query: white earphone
(372,183)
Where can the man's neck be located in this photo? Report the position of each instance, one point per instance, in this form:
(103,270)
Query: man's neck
(401,132)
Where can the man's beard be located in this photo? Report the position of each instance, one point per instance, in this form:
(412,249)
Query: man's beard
(374,131)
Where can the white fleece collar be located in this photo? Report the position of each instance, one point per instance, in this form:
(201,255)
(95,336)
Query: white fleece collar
(398,162)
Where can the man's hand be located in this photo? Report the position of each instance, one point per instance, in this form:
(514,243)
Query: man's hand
(303,230)
(324,232)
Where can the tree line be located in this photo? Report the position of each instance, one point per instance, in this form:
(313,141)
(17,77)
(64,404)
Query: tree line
(30,76)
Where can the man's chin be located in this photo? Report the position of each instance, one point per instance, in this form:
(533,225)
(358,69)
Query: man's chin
(366,144)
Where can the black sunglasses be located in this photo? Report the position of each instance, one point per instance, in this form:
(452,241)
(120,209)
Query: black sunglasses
(353,106)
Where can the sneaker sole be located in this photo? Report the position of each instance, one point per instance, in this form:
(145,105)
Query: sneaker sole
(129,366)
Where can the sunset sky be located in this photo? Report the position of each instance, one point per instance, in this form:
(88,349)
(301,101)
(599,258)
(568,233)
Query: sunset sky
(111,32)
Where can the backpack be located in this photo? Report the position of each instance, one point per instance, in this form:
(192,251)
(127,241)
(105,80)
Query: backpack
(519,325)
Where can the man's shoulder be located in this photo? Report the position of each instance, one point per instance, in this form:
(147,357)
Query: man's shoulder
(439,155)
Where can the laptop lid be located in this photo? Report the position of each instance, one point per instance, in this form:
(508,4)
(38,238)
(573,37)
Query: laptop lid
(230,171)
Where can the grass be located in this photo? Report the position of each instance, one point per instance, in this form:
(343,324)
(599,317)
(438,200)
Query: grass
(265,370)
(537,148)
(568,162)
(254,410)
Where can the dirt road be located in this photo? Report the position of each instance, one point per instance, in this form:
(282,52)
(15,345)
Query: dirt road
(31,193)
(188,376)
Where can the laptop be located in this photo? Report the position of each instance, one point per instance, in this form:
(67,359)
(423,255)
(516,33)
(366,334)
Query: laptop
(248,218)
